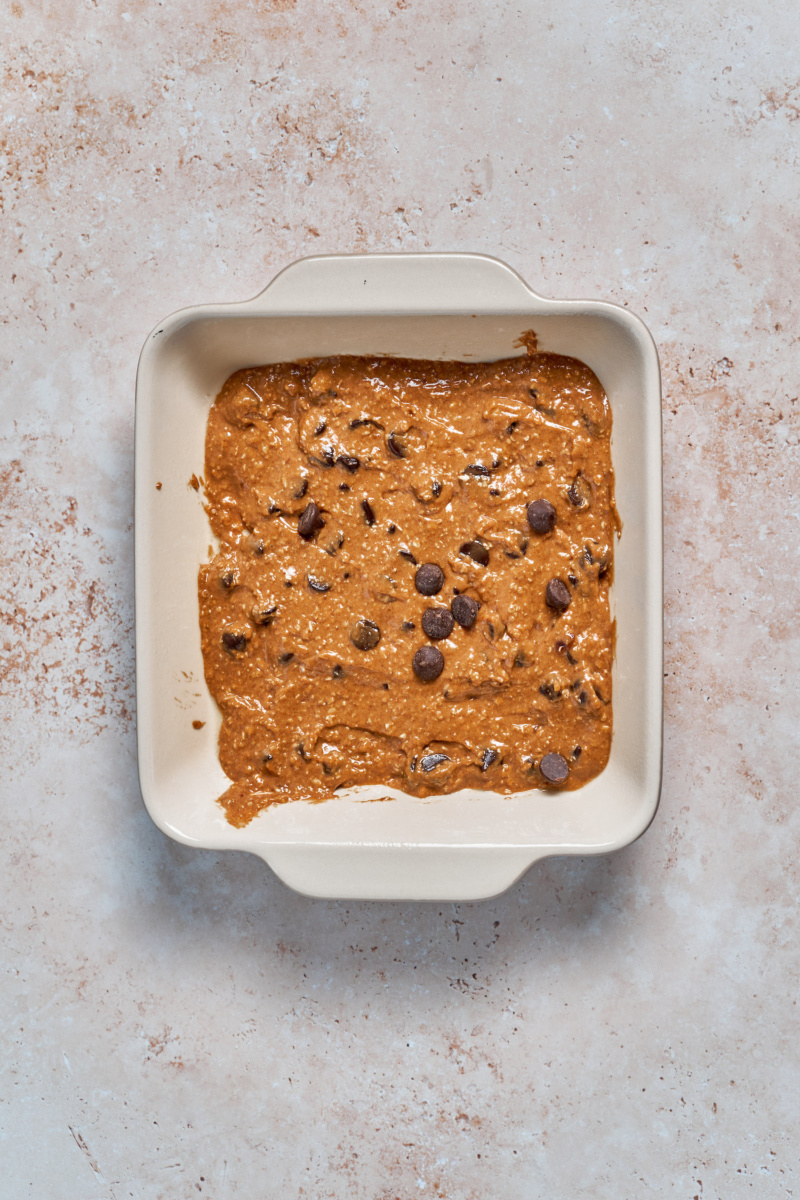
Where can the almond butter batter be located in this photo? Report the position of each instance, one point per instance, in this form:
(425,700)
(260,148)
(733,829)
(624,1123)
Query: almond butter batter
(335,660)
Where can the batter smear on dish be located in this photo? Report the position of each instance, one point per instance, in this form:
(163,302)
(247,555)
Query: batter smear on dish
(412,584)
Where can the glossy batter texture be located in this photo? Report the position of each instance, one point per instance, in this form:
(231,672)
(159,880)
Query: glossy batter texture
(329,483)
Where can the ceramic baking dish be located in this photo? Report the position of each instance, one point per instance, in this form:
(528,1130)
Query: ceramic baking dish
(463,846)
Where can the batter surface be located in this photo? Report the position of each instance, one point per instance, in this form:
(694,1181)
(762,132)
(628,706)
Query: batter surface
(412,582)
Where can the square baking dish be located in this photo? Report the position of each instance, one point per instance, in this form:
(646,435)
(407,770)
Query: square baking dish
(470,844)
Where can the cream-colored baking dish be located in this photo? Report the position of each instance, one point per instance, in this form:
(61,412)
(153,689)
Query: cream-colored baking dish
(470,844)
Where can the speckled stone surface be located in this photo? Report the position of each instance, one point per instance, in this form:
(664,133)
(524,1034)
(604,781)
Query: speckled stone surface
(177,1023)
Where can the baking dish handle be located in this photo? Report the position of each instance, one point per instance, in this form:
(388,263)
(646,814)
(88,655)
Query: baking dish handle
(395,283)
(433,873)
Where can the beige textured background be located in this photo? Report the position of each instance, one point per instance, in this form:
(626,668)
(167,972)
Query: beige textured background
(178,1023)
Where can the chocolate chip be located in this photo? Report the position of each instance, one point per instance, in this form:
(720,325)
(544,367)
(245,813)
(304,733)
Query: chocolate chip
(541,516)
(428,663)
(579,492)
(477,469)
(408,556)
(409,625)
(554,768)
(344,487)
(519,659)
(386,687)
(338,672)
(288,583)
(573,580)
(548,690)
(557,595)
(494,491)
(436,488)
(540,462)
(488,757)
(286,657)
(258,549)
(326,460)
(429,761)
(349,462)
(576,753)
(273,509)
(359,421)
(368,511)
(264,616)
(317,585)
(234,641)
(512,427)
(310,521)
(532,392)
(226,579)
(476,551)
(437,623)
(301,491)
(392,529)
(465,610)
(395,446)
(323,425)
(365,634)
(429,579)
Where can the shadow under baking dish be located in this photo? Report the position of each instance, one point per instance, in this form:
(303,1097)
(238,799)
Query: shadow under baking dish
(468,844)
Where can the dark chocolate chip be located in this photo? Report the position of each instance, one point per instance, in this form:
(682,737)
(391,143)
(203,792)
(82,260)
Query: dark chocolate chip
(344,487)
(338,672)
(573,580)
(386,687)
(496,462)
(409,625)
(577,752)
(301,491)
(286,657)
(392,529)
(258,549)
(579,492)
(408,556)
(554,768)
(532,392)
(548,690)
(288,583)
(323,425)
(365,634)
(465,610)
(349,462)
(266,758)
(264,616)
(368,511)
(437,623)
(226,579)
(273,509)
(301,750)
(310,521)
(541,516)
(511,554)
(428,663)
(234,641)
(557,595)
(429,761)
(476,551)
(540,462)
(582,699)
(359,421)
(488,758)
(599,695)
(477,469)
(512,427)
(326,460)
(436,488)
(429,579)
(494,491)
(317,585)
(395,446)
